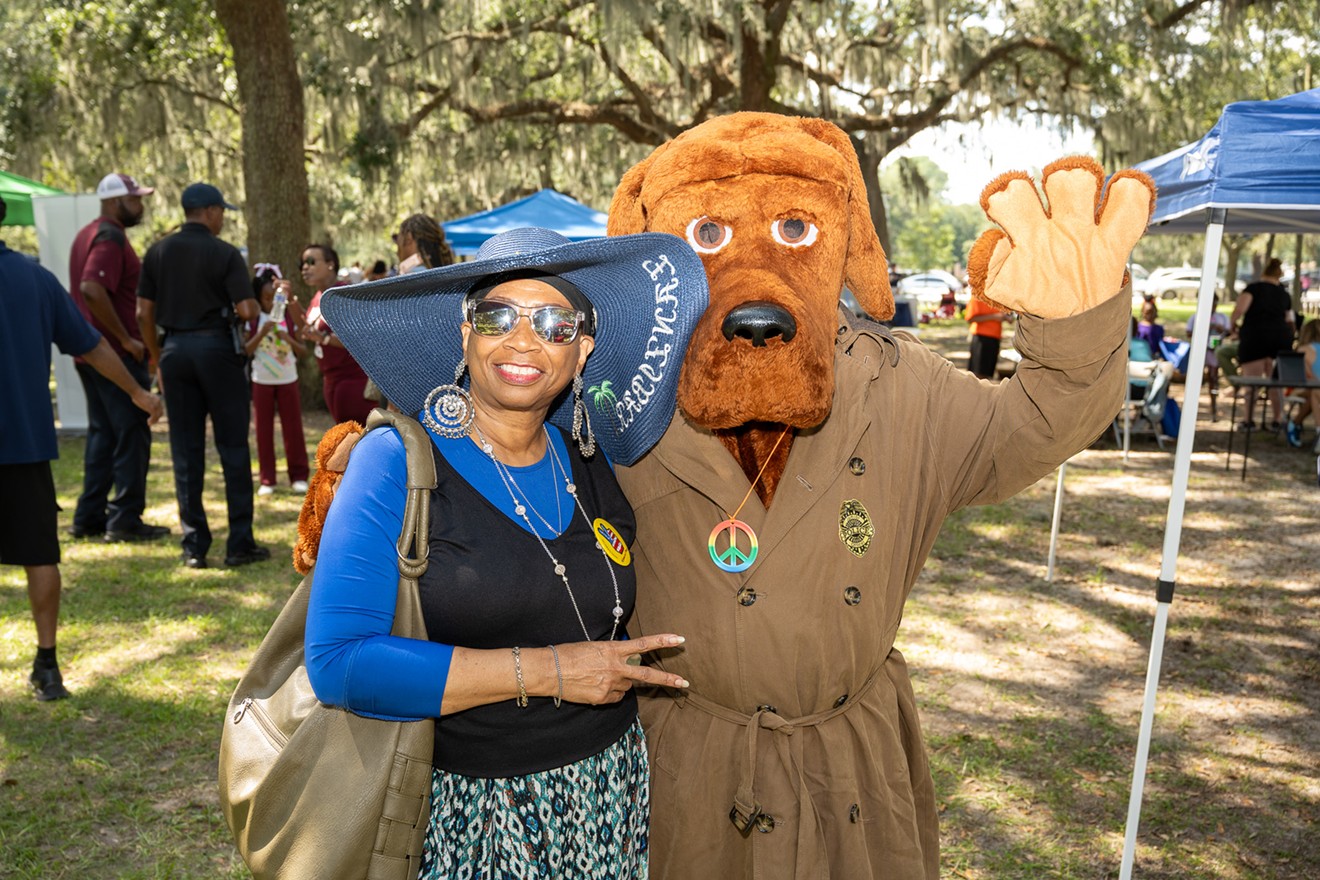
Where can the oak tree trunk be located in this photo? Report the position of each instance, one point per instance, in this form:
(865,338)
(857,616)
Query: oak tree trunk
(276,203)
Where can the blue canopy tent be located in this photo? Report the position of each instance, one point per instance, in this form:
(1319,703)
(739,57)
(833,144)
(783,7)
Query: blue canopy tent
(1256,171)
(1260,162)
(547,209)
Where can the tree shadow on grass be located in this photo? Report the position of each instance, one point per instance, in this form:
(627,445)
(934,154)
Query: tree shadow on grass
(109,784)
(1032,726)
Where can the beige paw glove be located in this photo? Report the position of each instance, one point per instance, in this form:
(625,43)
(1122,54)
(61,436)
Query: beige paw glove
(1066,258)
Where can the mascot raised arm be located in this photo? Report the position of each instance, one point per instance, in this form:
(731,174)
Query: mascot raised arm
(790,506)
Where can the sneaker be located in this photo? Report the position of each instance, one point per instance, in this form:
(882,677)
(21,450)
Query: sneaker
(1294,433)
(266,489)
(299,486)
(77,531)
(47,682)
(1245,426)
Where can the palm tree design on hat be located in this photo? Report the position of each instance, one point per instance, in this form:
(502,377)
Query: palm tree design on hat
(602,397)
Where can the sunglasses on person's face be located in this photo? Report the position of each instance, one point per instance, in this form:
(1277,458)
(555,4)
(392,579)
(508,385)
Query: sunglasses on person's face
(309,261)
(557,325)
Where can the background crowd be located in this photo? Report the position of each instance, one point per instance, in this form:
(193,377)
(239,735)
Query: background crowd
(186,322)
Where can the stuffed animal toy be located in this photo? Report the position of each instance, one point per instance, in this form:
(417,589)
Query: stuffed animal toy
(787,511)
(331,460)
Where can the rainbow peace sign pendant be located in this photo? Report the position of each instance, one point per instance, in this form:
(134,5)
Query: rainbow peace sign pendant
(728,554)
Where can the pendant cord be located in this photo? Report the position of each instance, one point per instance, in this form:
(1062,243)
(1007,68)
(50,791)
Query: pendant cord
(768,459)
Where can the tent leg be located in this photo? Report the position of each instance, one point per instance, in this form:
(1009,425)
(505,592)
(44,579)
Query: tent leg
(1182,464)
(1054,527)
(1143,740)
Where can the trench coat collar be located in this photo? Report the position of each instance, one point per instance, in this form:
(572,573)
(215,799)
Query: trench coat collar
(696,456)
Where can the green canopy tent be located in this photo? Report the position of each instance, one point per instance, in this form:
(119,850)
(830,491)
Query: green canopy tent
(17,193)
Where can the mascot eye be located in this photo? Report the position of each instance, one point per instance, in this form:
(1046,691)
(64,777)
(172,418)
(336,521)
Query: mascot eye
(794,232)
(708,237)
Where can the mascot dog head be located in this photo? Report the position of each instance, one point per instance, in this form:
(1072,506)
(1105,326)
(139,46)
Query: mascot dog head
(777,209)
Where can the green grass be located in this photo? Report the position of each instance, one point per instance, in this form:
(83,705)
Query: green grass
(119,781)
(1029,691)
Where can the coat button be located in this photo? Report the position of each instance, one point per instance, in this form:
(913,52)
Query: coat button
(840,701)
(746,596)
(857,466)
(852,595)
(766,707)
(765,823)
(854,813)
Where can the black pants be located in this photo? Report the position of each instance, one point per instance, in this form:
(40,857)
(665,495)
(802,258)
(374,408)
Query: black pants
(117,455)
(203,376)
(984,357)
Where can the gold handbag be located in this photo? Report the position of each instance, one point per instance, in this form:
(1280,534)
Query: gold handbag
(312,791)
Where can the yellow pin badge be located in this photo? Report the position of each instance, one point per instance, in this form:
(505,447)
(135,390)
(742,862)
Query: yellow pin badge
(855,527)
(609,539)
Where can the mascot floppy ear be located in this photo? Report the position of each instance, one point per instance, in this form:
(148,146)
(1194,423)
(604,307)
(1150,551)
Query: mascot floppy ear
(331,461)
(627,215)
(867,270)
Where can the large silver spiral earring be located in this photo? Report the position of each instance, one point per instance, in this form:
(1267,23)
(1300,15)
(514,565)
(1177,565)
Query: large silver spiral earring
(586,441)
(448,409)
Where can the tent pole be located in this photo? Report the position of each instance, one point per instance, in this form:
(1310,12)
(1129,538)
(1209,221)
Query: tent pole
(1182,463)
(1054,526)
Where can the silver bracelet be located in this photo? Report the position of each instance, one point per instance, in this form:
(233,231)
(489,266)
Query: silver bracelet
(517,670)
(560,674)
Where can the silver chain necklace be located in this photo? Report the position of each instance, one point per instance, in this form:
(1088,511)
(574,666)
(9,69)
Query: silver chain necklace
(510,484)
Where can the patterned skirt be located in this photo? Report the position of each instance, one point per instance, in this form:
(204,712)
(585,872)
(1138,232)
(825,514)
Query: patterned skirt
(587,820)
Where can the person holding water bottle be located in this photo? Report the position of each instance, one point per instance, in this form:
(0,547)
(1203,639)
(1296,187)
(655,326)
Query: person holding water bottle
(274,349)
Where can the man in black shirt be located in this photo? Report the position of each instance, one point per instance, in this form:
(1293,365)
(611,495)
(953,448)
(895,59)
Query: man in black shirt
(194,287)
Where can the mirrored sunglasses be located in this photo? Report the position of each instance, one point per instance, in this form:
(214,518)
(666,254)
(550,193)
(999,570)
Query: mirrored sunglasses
(557,325)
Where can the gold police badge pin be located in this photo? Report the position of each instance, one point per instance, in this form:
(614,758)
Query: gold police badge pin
(855,527)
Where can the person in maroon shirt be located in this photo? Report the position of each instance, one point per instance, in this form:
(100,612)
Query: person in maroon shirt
(103,275)
(342,380)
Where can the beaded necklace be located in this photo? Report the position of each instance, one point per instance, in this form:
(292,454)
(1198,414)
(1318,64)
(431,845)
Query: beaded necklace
(510,484)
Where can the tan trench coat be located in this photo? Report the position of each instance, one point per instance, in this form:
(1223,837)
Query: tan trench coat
(800,711)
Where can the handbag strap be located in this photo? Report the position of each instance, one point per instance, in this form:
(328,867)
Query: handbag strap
(414,538)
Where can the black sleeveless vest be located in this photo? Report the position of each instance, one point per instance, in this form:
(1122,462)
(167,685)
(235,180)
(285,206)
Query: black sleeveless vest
(491,585)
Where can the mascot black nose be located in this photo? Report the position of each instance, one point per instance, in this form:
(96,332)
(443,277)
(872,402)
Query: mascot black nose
(759,321)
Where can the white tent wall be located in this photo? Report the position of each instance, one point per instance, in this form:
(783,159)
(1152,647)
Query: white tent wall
(58,219)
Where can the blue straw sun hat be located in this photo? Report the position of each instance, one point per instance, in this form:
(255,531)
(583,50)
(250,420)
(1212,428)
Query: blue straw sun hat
(648,290)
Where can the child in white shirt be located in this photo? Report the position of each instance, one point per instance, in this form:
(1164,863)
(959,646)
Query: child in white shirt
(275,349)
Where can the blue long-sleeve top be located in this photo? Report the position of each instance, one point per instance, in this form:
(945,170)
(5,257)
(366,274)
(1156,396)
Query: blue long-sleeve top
(352,660)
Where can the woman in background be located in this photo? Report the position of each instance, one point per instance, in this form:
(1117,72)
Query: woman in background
(1263,323)
(342,380)
(421,244)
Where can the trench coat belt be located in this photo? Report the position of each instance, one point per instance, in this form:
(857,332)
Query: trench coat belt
(746,809)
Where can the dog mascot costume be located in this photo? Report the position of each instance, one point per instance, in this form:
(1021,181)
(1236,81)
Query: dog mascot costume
(789,508)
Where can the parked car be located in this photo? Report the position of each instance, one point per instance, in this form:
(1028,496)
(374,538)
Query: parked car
(1180,283)
(929,287)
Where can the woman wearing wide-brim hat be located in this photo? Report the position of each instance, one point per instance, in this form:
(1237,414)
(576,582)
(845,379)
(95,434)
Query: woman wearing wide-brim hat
(540,764)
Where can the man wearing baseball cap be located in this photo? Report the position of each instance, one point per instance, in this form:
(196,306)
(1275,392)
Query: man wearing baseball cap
(194,288)
(103,275)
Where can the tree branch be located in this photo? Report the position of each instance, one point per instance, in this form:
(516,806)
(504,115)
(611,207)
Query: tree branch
(181,89)
(547,112)
(1174,16)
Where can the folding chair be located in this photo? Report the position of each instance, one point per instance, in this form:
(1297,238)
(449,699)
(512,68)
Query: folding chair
(1290,366)
(1150,407)
(1141,370)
